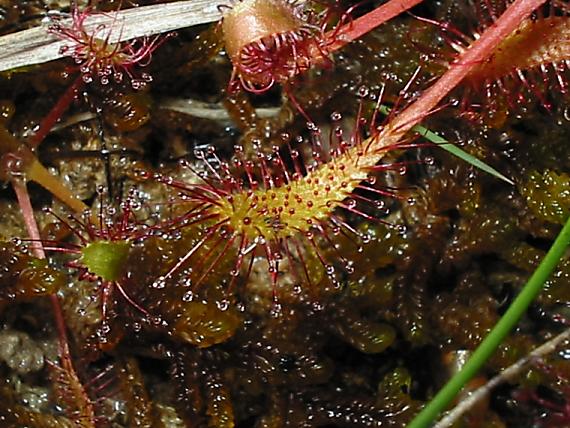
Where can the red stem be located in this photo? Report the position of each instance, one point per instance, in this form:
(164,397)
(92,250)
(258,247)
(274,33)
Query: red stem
(478,52)
(360,26)
(61,327)
(56,112)
(28,213)
(38,251)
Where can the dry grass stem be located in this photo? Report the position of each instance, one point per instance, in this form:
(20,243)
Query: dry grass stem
(506,375)
(36,45)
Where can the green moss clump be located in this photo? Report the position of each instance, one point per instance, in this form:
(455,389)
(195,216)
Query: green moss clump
(24,278)
(547,194)
(367,306)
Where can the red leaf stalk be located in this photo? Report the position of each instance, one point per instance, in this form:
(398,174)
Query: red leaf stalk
(85,410)
(360,26)
(480,51)
(56,112)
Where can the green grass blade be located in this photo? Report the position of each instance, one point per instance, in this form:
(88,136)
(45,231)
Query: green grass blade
(458,152)
(453,149)
(488,346)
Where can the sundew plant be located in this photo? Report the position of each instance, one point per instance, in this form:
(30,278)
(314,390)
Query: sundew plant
(284,213)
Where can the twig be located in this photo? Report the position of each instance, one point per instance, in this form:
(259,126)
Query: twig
(212,111)
(498,333)
(189,106)
(36,45)
(508,374)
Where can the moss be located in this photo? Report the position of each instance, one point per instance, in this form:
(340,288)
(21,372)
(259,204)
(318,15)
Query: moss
(348,324)
(547,194)
(24,278)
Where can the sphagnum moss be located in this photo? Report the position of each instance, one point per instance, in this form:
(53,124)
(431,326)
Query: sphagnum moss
(347,355)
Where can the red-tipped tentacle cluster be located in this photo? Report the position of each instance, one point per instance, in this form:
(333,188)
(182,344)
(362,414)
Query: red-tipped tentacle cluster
(83,400)
(273,41)
(285,208)
(521,67)
(99,54)
(102,247)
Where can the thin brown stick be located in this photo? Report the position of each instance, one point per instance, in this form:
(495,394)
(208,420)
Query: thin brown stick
(506,375)
(38,173)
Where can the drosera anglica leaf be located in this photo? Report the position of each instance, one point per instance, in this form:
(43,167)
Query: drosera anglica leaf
(273,41)
(530,63)
(263,209)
